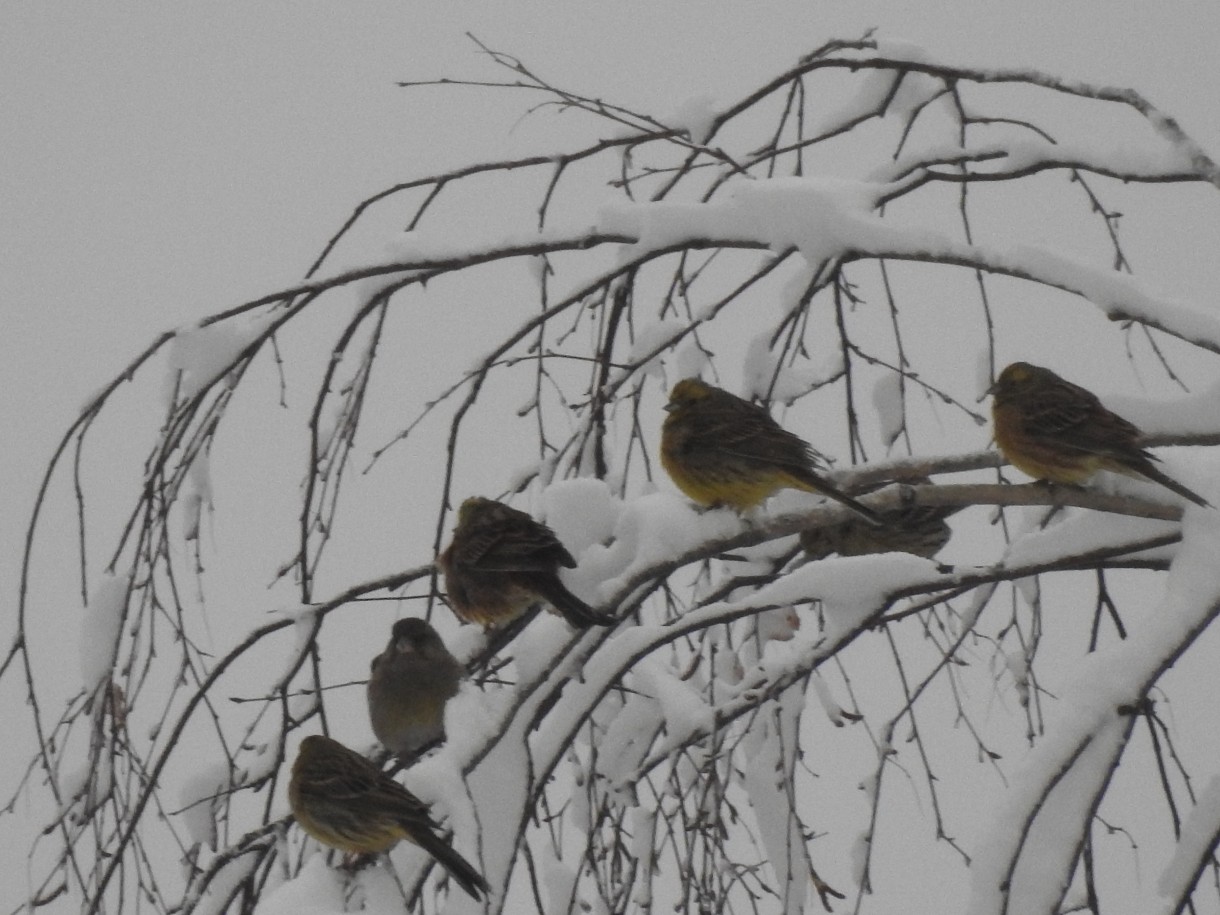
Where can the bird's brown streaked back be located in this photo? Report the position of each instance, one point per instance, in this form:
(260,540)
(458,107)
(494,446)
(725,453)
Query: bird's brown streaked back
(722,450)
(1054,430)
(344,801)
(501,561)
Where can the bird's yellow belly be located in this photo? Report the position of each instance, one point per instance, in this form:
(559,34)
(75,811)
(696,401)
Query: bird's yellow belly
(1050,462)
(741,490)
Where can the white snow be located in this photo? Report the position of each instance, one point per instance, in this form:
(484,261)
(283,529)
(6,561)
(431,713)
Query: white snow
(197,494)
(770,746)
(1198,837)
(778,625)
(1017,666)
(982,377)
(197,802)
(650,529)
(1056,785)
(643,824)
(833,710)
(887,402)
(689,362)
(1148,162)
(471,716)
(629,736)
(215,900)
(549,632)
(1079,532)
(817,216)
(695,116)
(437,781)
(1118,295)
(500,789)
(101,628)
(762,377)
(726,665)
(849,588)
(825,218)
(200,354)
(581,512)
(316,890)
(683,707)
(377,888)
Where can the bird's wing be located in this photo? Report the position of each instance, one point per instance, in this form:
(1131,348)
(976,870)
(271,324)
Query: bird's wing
(1074,417)
(408,810)
(751,435)
(346,784)
(511,546)
(365,787)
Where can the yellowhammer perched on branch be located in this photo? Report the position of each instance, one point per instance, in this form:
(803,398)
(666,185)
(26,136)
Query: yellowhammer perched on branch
(1054,430)
(344,801)
(501,561)
(722,450)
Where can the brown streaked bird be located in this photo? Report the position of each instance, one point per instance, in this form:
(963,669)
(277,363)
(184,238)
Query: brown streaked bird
(722,450)
(409,684)
(501,561)
(1057,431)
(917,529)
(344,801)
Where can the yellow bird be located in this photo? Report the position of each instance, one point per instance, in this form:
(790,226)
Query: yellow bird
(722,450)
(344,801)
(1054,430)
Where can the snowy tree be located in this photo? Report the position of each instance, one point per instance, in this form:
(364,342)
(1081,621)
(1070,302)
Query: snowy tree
(860,244)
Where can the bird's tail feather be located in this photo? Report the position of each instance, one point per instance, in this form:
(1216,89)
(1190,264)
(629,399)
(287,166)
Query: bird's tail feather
(574,610)
(461,870)
(1152,473)
(816,484)
(860,509)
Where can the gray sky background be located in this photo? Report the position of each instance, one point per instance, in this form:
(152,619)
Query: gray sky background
(159,163)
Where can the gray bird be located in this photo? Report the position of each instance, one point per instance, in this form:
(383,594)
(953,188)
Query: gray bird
(409,684)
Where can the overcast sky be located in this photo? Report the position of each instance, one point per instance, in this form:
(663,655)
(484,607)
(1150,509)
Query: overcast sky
(159,163)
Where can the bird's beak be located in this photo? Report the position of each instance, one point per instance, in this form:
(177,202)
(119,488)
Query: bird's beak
(670,407)
(988,392)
